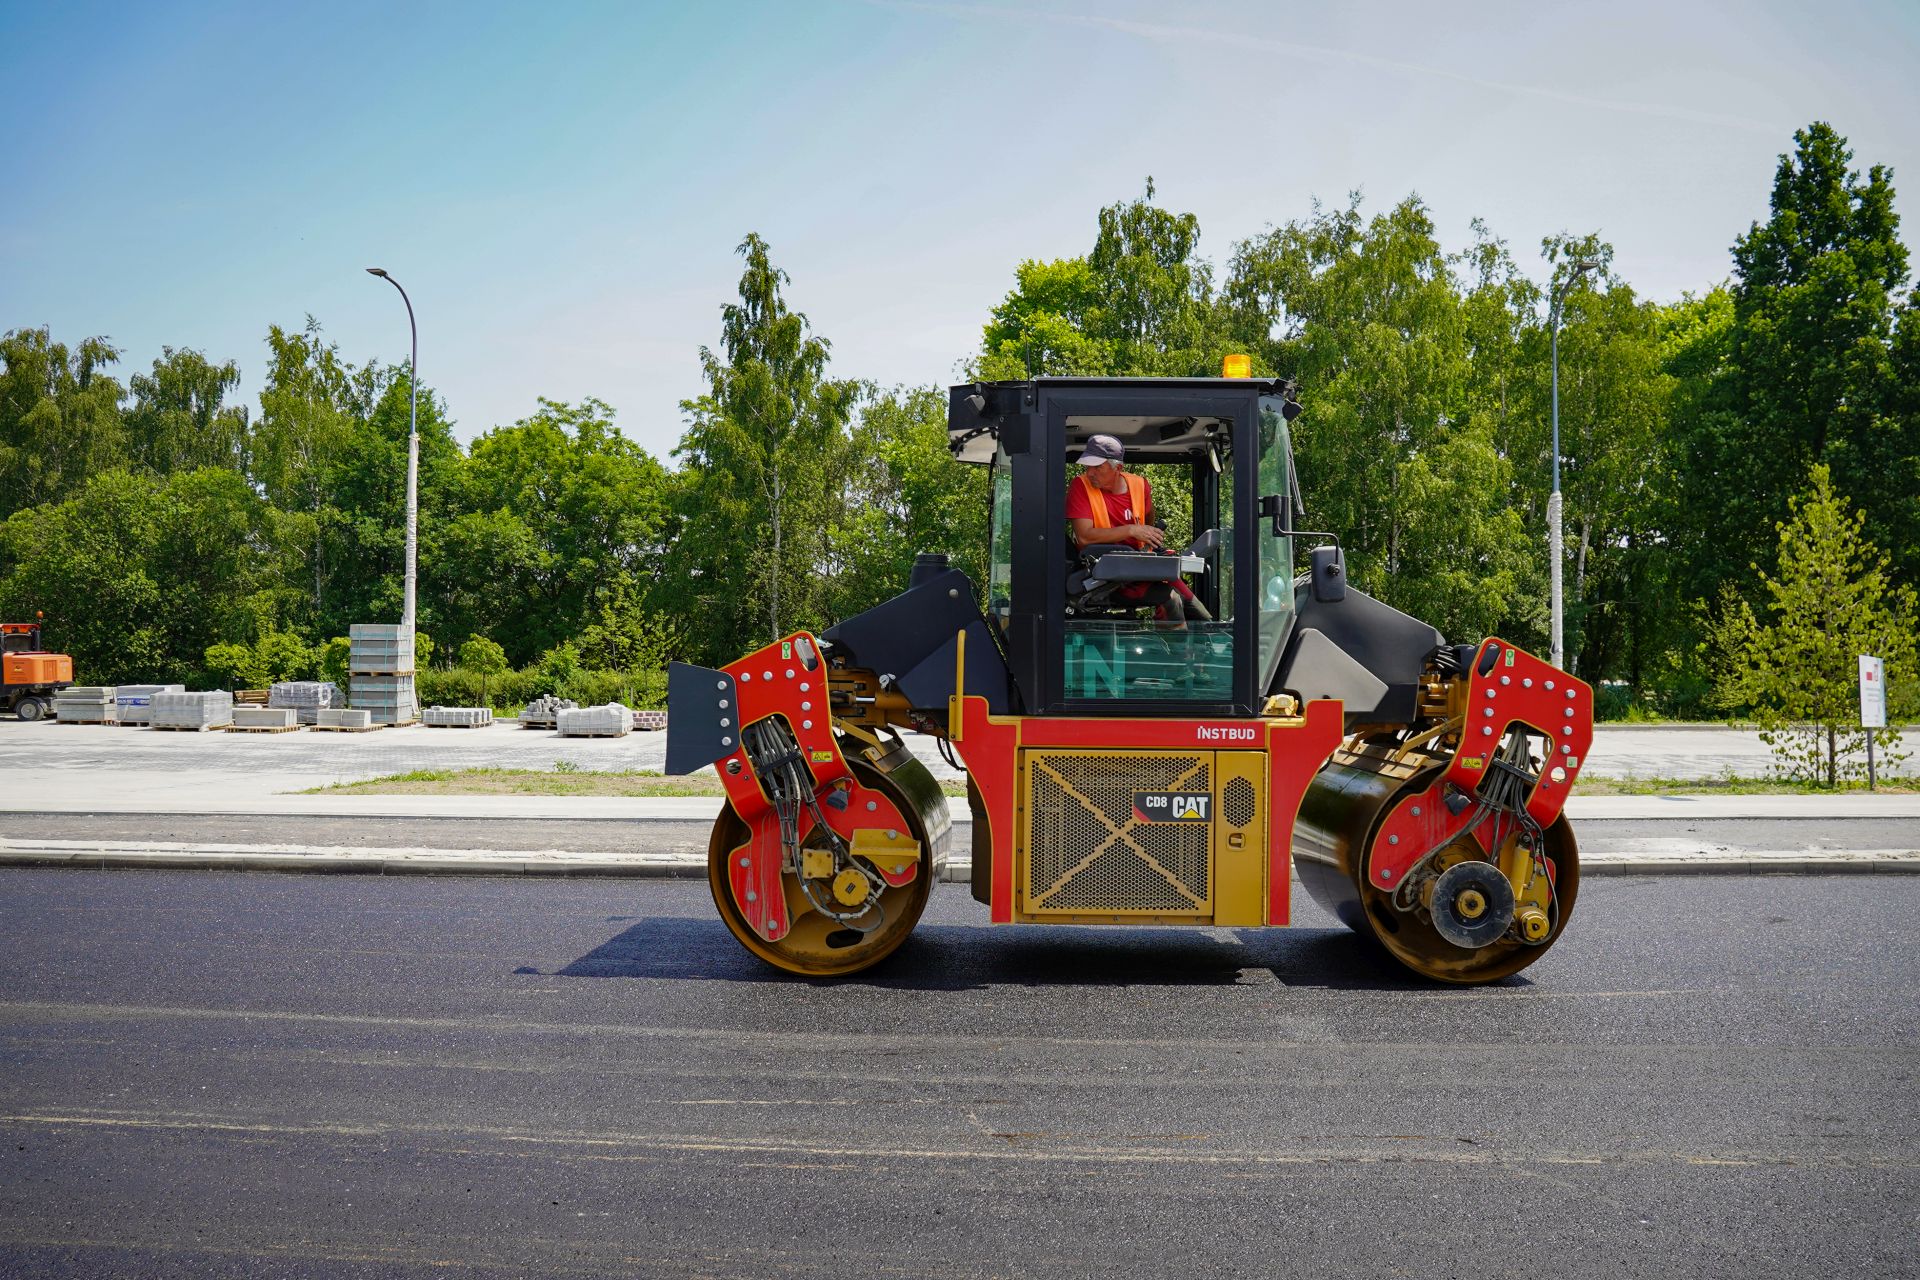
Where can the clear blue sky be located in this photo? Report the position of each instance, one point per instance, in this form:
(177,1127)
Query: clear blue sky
(561,186)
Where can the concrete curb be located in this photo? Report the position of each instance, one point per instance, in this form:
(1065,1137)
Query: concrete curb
(684,867)
(1663,808)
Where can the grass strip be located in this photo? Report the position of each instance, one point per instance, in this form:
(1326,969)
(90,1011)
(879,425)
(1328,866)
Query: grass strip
(541,782)
(1730,785)
(573,781)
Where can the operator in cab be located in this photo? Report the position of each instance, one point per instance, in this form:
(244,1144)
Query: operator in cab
(1108,504)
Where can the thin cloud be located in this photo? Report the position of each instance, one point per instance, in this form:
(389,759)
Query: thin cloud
(1166,33)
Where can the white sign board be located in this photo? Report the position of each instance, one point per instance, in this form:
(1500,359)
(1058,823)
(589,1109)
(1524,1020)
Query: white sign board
(1873,693)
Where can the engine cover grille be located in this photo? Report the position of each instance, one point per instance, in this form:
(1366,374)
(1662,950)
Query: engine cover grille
(1089,852)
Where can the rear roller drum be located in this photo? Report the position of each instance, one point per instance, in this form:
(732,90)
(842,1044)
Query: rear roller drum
(1465,925)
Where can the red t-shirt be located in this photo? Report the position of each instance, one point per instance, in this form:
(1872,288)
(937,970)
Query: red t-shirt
(1119,505)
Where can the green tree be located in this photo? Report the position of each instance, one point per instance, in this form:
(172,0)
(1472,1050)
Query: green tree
(366,532)
(60,420)
(180,421)
(1900,429)
(560,515)
(1808,368)
(332,659)
(1831,600)
(275,656)
(1616,475)
(311,406)
(1045,325)
(487,660)
(139,576)
(904,495)
(763,452)
(1140,303)
(1399,449)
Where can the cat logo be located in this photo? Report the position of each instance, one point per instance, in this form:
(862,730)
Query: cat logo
(1172,806)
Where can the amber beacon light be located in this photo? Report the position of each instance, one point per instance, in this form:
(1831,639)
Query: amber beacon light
(1236,366)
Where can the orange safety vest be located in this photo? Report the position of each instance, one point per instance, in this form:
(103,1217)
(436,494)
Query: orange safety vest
(1097,499)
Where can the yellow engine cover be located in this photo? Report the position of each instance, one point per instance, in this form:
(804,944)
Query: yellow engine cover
(1142,835)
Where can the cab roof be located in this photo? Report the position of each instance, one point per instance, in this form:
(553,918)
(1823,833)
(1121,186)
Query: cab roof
(1159,432)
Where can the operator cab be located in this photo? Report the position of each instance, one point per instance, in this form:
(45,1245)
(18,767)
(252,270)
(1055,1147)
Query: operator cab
(1079,634)
(20,637)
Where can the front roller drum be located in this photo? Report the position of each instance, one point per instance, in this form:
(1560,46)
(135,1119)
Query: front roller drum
(1468,931)
(817,946)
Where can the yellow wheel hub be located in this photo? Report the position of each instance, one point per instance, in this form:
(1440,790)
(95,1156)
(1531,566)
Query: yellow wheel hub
(1471,904)
(850,888)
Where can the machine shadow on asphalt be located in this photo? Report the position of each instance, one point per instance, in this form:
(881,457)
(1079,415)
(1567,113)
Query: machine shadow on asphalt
(954,957)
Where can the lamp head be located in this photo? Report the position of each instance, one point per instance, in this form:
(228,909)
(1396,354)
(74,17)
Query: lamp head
(377,271)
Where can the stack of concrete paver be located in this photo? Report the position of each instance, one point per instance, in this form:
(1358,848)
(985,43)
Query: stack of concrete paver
(342,720)
(305,698)
(85,704)
(544,712)
(457,717)
(198,711)
(649,719)
(380,667)
(264,719)
(134,702)
(610,721)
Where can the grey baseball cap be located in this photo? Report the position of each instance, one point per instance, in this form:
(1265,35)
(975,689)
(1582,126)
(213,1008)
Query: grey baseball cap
(1102,449)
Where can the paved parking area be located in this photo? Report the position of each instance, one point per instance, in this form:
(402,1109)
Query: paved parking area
(58,762)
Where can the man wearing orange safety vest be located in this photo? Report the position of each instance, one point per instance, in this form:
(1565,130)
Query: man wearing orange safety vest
(1108,504)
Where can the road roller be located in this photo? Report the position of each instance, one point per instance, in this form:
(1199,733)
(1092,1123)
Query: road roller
(1131,759)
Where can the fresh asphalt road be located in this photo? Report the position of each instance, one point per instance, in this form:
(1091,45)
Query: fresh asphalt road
(259,1075)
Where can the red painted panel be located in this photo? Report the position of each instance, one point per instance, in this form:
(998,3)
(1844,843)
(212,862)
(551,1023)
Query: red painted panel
(775,681)
(1524,689)
(1519,688)
(989,748)
(1295,753)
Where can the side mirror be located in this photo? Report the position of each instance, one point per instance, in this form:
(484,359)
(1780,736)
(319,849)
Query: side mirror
(1329,575)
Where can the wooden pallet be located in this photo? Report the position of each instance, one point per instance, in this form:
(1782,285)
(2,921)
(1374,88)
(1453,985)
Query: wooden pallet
(265,728)
(190,728)
(344,728)
(423,724)
(578,734)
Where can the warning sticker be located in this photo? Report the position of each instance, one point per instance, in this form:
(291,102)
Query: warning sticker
(823,757)
(1172,806)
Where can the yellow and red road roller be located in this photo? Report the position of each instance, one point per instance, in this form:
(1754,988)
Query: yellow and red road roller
(1130,761)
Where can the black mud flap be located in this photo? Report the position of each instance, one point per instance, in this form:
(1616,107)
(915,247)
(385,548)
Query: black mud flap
(703,717)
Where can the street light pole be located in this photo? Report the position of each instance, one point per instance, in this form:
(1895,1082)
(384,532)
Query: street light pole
(413,452)
(1579,268)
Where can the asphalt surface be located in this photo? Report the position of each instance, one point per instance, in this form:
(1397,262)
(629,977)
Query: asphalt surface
(259,1075)
(616,836)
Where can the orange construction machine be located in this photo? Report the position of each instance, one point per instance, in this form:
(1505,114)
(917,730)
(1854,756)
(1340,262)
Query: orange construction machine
(29,676)
(1151,734)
